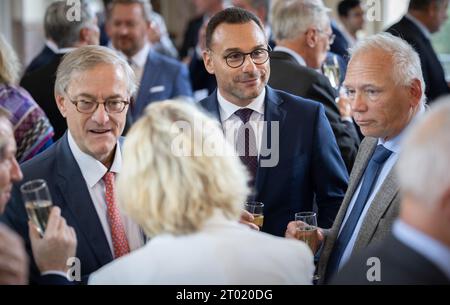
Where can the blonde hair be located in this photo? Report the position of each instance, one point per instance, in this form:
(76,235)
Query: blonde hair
(165,192)
(9,63)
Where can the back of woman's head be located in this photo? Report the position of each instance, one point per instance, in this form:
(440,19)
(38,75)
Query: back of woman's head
(178,169)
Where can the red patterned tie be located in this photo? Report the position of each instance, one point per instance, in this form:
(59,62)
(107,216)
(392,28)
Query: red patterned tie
(119,238)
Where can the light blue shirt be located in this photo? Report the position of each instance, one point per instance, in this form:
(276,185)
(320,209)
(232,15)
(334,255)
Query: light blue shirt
(393,145)
(431,249)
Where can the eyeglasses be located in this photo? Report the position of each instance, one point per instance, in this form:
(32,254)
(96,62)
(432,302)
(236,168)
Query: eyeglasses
(88,107)
(331,37)
(259,56)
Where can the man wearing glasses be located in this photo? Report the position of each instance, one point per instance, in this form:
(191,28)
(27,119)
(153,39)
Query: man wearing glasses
(92,91)
(285,141)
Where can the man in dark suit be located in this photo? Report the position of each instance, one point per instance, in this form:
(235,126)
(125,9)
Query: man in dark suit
(160,77)
(417,252)
(295,61)
(52,250)
(93,90)
(289,149)
(384,107)
(423,19)
(46,55)
(67,35)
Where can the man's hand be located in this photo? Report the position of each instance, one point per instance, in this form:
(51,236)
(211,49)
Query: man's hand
(247,219)
(58,244)
(344,107)
(13,258)
(293,233)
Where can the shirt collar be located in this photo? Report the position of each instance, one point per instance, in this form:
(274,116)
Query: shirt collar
(92,169)
(140,58)
(227,109)
(294,54)
(394,144)
(420,25)
(433,250)
(64,50)
(52,46)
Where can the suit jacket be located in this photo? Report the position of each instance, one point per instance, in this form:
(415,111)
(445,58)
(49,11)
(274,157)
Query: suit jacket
(41,85)
(288,75)
(191,36)
(400,265)
(163,78)
(192,259)
(43,58)
(432,70)
(380,217)
(68,190)
(340,45)
(309,163)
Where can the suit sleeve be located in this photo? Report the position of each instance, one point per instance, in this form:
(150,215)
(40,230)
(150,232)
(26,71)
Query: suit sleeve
(329,173)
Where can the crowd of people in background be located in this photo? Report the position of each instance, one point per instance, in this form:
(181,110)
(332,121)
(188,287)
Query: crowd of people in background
(249,100)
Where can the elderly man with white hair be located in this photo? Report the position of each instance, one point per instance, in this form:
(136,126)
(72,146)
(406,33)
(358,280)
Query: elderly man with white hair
(386,91)
(418,249)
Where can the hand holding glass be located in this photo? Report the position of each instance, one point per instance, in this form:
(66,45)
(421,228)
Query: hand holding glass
(256,209)
(307,229)
(38,203)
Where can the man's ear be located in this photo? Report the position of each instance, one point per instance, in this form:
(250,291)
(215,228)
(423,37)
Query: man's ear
(208,61)
(415,91)
(311,37)
(61,103)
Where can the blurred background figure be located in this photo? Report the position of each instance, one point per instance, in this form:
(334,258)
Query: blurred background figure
(192,216)
(67,35)
(32,130)
(303,35)
(351,21)
(424,18)
(159,76)
(417,252)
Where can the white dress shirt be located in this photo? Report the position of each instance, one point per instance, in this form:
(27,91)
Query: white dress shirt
(222,252)
(138,61)
(393,145)
(433,250)
(231,122)
(93,172)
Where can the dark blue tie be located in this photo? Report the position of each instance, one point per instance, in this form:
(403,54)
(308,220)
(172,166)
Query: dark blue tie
(373,169)
(246,143)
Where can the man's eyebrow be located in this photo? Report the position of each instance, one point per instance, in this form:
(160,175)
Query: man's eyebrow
(230,50)
(90,96)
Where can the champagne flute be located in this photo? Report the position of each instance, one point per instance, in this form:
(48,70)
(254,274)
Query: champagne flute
(307,232)
(38,203)
(331,70)
(256,209)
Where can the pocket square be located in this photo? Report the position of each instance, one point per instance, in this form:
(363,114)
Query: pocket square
(157,89)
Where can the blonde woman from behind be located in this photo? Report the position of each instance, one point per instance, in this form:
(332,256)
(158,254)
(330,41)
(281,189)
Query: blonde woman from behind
(185,187)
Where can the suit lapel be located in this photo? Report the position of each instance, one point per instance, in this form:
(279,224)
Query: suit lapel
(378,207)
(78,200)
(273,114)
(151,71)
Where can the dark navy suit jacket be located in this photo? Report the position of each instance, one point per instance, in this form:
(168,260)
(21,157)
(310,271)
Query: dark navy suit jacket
(310,166)
(432,70)
(68,190)
(43,58)
(163,78)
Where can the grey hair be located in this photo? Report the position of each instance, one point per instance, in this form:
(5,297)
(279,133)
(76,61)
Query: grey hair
(60,28)
(147,9)
(4,116)
(291,18)
(9,63)
(424,163)
(406,65)
(86,58)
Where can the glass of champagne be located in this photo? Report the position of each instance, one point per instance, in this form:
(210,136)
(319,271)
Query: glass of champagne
(307,228)
(38,202)
(331,71)
(256,209)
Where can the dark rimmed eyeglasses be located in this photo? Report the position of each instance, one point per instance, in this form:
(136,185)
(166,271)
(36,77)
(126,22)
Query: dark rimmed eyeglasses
(111,106)
(259,56)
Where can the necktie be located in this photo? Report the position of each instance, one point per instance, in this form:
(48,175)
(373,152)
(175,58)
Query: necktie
(119,238)
(371,173)
(246,143)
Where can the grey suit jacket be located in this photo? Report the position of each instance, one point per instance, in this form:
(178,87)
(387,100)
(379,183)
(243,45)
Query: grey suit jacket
(380,217)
